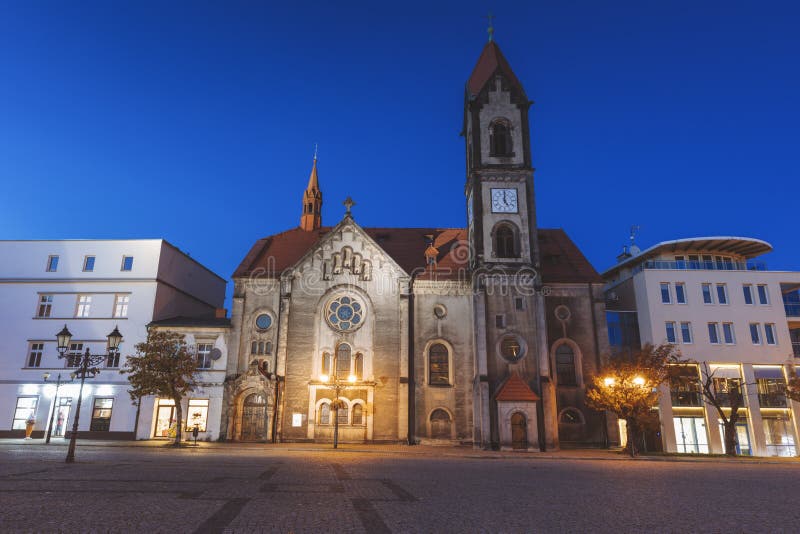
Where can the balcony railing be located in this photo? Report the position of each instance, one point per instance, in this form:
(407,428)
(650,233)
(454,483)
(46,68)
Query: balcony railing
(687,398)
(725,399)
(772,400)
(702,265)
(792,310)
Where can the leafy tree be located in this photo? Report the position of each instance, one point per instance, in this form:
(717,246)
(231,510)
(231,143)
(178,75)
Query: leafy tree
(722,393)
(628,386)
(163,366)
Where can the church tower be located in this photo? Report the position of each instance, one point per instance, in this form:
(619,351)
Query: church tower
(311,218)
(513,392)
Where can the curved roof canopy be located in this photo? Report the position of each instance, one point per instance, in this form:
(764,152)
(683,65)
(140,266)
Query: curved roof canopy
(747,247)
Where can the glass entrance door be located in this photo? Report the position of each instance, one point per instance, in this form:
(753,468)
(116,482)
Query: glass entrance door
(165,418)
(742,437)
(690,435)
(61,418)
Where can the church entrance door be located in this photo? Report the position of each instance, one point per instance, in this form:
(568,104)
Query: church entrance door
(254,416)
(519,432)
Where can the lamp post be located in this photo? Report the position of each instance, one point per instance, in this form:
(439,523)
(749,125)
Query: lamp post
(87,366)
(338,385)
(55,402)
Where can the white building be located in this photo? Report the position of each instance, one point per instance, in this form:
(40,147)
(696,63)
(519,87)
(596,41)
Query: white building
(91,286)
(728,314)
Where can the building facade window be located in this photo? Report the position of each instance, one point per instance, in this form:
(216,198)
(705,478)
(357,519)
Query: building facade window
(722,294)
(88,264)
(84,306)
(112,360)
(326,363)
(35,355)
(74,355)
(438,365)
(25,409)
(771,385)
(45,306)
(565,366)
(52,264)
(121,303)
(763,295)
(685,386)
(690,435)
(728,333)
(680,293)
(708,295)
(769,334)
(666,296)
(500,142)
(325,413)
(127,263)
(571,416)
(204,355)
(779,436)
(686,332)
(358,364)
(342,413)
(343,361)
(747,290)
(505,242)
(101,415)
(713,333)
(358,414)
(197,414)
(500,321)
(755,333)
(670,327)
(440,424)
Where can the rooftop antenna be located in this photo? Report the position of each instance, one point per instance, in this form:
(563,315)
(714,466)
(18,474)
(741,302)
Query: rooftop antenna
(316,146)
(490,30)
(634,250)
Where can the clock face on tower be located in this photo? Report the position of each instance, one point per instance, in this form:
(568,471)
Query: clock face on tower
(504,201)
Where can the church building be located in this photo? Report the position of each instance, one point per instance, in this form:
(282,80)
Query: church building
(482,335)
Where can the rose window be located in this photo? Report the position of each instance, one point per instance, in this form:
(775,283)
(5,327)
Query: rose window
(345,313)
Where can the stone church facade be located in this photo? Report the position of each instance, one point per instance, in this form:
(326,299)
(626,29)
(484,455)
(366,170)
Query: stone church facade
(483,335)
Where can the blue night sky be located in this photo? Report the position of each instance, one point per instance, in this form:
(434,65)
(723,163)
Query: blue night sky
(196,122)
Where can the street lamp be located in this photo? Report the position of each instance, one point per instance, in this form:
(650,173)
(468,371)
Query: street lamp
(55,401)
(337,387)
(87,366)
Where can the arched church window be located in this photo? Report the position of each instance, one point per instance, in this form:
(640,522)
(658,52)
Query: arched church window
(505,242)
(438,365)
(326,363)
(325,414)
(343,413)
(358,414)
(565,365)
(571,416)
(500,144)
(359,366)
(261,347)
(254,347)
(343,361)
(268,348)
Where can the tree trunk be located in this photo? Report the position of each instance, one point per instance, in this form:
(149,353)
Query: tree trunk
(633,435)
(730,438)
(179,421)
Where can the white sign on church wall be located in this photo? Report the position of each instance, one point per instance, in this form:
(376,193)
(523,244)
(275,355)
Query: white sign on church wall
(297,419)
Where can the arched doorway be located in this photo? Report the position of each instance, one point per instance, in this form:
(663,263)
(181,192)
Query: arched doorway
(440,424)
(519,431)
(254,418)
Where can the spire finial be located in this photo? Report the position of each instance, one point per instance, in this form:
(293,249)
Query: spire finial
(490,30)
(316,146)
(348,205)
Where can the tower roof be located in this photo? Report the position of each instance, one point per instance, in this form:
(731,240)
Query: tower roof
(491,61)
(313,181)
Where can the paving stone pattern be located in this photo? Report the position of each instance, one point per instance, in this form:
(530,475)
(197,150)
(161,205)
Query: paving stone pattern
(158,489)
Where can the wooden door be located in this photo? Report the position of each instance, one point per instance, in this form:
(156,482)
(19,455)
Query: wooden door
(519,431)
(254,412)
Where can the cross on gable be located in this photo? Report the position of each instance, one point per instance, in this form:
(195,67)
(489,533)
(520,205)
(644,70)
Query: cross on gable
(348,204)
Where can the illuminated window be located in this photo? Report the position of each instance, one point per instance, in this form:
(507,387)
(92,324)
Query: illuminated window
(343,361)
(101,415)
(358,414)
(359,366)
(121,305)
(197,414)
(84,306)
(342,413)
(26,408)
(326,363)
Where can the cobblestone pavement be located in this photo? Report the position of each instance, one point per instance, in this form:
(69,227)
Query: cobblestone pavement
(295,489)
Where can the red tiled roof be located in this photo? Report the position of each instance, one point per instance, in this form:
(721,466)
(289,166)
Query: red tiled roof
(562,261)
(515,390)
(490,60)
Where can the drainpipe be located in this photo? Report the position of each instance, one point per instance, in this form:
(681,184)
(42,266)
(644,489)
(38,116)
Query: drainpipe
(597,359)
(411,387)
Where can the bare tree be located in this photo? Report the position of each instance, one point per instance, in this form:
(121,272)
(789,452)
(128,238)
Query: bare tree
(724,393)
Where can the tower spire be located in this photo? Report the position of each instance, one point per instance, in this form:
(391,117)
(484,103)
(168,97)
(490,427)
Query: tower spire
(490,30)
(311,218)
